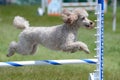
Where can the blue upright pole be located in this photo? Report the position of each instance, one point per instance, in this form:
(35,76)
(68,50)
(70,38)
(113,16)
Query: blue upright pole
(101,2)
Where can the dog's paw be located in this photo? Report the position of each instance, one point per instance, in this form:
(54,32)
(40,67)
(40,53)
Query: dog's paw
(87,51)
(8,55)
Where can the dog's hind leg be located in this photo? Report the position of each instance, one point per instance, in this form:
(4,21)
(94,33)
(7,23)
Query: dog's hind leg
(12,48)
(23,47)
(34,48)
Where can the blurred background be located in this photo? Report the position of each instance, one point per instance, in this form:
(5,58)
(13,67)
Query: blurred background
(47,13)
(29,2)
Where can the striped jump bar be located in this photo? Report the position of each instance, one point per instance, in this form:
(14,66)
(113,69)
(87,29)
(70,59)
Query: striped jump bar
(47,62)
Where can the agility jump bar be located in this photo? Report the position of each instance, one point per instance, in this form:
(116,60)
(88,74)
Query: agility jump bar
(47,62)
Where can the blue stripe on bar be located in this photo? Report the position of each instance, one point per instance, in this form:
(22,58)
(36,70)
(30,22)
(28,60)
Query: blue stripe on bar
(52,62)
(89,61)
(14,64)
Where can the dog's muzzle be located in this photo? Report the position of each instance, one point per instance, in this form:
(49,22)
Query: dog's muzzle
(90,25)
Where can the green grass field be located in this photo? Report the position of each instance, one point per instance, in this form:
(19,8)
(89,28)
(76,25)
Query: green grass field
(63,72)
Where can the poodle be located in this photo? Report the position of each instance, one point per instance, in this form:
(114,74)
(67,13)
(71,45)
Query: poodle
(60,37)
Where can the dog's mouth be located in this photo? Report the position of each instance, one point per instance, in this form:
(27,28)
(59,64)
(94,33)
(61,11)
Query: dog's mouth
(89,26)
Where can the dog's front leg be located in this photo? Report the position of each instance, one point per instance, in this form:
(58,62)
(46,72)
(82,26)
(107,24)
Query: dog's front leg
(75,46)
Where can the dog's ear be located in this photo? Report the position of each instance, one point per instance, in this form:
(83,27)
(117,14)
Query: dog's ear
(68,17)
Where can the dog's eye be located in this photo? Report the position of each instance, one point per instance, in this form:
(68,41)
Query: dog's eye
(83,18)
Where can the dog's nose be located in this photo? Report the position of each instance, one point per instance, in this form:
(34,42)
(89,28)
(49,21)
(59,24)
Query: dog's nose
(91,22)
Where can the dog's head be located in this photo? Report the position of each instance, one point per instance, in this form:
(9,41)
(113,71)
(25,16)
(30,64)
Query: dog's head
(77,16)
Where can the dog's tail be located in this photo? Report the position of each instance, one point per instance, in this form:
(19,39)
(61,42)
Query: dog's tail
(20,22)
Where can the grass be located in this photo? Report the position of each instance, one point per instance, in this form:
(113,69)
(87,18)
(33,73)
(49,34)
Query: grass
(64,72)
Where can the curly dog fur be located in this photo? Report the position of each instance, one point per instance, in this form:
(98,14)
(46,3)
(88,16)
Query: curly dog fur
(60,37)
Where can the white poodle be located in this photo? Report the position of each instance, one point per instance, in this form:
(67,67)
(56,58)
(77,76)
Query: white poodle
(60,37)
